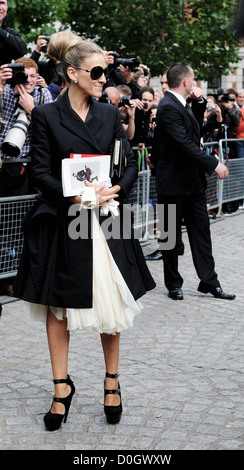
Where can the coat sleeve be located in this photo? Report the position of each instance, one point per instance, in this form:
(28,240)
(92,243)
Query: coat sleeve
(13,42)
(41,156)
(131,170)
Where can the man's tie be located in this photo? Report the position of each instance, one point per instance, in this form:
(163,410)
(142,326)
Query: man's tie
(190,112)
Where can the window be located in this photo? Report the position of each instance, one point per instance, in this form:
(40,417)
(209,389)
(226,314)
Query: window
(214,84)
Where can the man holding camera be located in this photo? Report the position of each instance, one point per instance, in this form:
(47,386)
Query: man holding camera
(19,94)
(11,44)
(231,114)
(124,75)
(127,108)
(143,136)
(18,97)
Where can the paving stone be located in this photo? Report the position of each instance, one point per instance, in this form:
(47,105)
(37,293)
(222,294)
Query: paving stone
(181,368)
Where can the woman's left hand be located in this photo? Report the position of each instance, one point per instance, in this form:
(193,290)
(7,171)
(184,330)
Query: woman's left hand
(103,193)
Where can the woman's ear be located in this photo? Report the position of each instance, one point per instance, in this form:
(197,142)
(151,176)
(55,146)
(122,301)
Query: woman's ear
(71,72)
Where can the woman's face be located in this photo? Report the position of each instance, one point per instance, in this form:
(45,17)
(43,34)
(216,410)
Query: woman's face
(88,86)
(143,80)
(210,102)
(147,99)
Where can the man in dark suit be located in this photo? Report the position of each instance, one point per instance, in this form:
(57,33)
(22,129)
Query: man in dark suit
(180,178)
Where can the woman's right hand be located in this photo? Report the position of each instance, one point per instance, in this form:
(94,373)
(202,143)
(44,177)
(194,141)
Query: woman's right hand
(75,200)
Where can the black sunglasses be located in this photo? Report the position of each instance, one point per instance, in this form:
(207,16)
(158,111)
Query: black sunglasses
(96,72)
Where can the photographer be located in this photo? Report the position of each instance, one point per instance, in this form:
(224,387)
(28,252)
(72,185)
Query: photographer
(143,135)
(117,97)
(127,108)
(231,117)
(18,99)
(110,96)
(137,81)
(11,44)
(21,95)
(55,47)
(124,75)
(212,121)
(46,69)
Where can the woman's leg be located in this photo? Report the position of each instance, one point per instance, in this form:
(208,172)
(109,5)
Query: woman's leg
(110,344)
(58,341)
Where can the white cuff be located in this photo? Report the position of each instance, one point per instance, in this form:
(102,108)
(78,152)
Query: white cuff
(89,201)
(88,198)
(111,206)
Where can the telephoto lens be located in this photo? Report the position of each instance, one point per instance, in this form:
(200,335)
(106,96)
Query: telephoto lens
(16,136)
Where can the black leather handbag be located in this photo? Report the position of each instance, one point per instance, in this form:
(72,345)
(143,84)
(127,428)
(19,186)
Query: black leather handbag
(118,160)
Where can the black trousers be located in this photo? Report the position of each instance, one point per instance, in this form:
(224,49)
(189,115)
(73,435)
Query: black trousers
(193,210)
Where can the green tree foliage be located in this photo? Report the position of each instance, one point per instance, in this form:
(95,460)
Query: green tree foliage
(157,32)
(35,17)
(162,32)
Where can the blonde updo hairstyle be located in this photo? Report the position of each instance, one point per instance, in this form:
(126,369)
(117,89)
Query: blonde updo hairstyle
(60,43)
(77,54)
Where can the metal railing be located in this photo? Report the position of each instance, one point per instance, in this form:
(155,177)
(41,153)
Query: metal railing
(143,198)
(232,188)
(12,211)
(218,191)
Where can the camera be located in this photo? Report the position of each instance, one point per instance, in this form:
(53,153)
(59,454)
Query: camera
(145,105)
(125,101)
(19,76)
(145,72)
(44,48)
(16,136)
(132,63)
(211,107)
(226,97)
(104,98)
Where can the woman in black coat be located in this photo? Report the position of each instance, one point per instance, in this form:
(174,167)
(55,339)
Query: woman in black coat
(73,281)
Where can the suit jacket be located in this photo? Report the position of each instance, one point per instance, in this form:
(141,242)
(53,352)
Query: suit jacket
(56,269)
(181,163)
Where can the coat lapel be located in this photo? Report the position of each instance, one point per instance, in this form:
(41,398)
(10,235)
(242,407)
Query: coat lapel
(70,120)
(188,111)
(191,114)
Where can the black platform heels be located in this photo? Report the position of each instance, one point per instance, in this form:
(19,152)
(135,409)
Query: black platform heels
(53,421)
(113,413)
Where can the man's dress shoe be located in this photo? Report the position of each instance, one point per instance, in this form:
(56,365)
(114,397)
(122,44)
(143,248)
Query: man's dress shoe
(217,292)
(176,294)
(154,256)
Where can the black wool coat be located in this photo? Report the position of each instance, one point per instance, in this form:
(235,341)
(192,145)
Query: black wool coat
(56,269)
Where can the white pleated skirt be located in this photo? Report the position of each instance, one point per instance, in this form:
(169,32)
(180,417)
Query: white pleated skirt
(114,307)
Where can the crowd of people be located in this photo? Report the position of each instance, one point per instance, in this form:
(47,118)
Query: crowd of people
(127,87)
(65,105)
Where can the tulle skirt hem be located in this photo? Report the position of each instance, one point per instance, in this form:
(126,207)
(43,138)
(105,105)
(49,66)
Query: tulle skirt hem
(114,307)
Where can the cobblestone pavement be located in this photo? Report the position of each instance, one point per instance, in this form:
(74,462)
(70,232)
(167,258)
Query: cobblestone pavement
(181,368)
